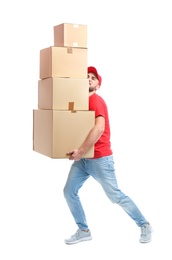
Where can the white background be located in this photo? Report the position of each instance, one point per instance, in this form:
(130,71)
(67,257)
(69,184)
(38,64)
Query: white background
(130,43)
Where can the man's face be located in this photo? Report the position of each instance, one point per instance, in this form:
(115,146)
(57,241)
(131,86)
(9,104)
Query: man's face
(93,82)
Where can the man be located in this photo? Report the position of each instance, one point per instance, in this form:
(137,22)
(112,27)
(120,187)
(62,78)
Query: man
(101,168)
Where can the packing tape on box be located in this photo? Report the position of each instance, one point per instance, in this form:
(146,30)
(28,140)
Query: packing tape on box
(69,50)
(75,44)
(71,106)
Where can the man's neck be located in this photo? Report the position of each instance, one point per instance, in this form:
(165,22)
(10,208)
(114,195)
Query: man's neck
(91,93)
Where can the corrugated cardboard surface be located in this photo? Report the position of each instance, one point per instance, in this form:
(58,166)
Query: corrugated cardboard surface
(73,35)
(57,132)
(58,93)
(65,62)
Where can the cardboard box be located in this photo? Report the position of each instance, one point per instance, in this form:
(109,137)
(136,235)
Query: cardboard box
(63,94)
(70,35)
(57,132)
(63,62)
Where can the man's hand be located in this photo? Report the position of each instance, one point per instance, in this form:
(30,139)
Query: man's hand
(74,155)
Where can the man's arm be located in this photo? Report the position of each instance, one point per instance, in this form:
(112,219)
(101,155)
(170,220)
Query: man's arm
(91,139)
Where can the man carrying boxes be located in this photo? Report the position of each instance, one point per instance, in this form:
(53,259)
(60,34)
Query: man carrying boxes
(72,122)
(101,168)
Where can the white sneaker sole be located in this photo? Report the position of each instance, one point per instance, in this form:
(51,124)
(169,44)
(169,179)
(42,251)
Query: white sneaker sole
(79,240)
(145,241)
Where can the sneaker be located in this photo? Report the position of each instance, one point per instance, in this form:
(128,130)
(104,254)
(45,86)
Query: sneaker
(146,233)
(79,236)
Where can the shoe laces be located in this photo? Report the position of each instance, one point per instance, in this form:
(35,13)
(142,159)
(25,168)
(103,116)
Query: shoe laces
(77,233)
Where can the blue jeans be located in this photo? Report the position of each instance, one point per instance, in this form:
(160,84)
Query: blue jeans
(103,171)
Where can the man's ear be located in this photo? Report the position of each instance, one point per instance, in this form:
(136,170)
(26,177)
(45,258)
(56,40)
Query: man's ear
(97,87)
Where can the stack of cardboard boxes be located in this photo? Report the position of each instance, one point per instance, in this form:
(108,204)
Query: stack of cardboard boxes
(63,120)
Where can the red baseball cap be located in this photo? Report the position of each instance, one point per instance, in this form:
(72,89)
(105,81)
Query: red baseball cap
(94,71)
